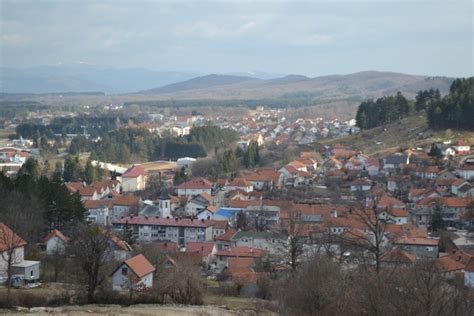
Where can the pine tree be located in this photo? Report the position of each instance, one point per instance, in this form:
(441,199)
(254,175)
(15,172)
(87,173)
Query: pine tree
(127,233)
(90,173)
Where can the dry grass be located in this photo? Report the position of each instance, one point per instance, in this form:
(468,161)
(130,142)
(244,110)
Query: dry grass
(158,165)
(409,132)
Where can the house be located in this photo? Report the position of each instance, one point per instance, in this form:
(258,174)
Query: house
(361,185)
(225,240)
(135,273)
(198,203)
(181,231)
(208,212)
(55,242)
(462,147)
(239,184)
(118,249)
(465,172)
(397,216)
(450,266)
(134,179)
(89,193)
(219,228)
(422,248)
(194,187)
(99,211)
(373,167)
(395,161)
(206,250)
(398,257)
(12,247)
(237,252)
(125,205)
(269,241)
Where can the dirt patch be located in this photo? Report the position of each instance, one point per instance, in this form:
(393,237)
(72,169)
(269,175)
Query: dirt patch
(164,310)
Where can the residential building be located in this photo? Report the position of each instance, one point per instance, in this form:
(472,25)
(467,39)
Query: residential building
(55,243)
(180,231)
(194,187)
(134,273)
(134,179)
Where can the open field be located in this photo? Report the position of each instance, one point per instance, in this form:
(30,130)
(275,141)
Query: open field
(409,132)
(154,166)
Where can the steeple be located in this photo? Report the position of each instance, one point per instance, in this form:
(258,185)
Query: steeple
(165,203)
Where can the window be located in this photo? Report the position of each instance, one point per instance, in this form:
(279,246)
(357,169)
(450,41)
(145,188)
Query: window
(124,271)
(31,273)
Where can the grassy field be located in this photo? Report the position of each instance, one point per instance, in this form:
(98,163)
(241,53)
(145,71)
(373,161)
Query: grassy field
(409,132)
(157,165)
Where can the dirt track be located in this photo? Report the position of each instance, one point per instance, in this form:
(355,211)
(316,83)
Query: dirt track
(167,310)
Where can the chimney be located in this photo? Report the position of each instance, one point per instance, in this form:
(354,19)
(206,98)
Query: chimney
(146,217)
(167,217)
(176,219)
(334,213)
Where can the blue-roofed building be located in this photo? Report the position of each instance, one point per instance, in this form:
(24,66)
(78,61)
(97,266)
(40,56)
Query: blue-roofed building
(226,214)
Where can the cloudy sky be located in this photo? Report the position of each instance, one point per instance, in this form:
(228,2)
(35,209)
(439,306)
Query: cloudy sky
(311,38)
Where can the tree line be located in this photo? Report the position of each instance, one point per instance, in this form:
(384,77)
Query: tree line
(455,110)
(35,205)
(136,144)
(384,110)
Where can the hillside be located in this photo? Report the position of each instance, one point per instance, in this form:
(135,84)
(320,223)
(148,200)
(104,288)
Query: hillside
(356,87)
(200,83)
(409,132)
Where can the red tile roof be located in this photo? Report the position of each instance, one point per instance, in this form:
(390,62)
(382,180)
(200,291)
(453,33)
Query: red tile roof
(448,264)
(241,252)
(397,255)
(95,204)
(8,239)
(74,186)
(240,182)
(127,200)
(196,184)
(56,233)
(202,248)
(140,265)
(134,172)
(417,241)
(87,191)
(227,236)
(175,222)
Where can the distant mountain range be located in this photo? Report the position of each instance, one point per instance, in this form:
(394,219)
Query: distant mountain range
(357,86)
(85,78)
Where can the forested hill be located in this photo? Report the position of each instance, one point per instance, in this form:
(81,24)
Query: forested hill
(455,110)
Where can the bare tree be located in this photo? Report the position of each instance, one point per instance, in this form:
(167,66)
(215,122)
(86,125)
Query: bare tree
(372,237)
(90,248)
(291,247)
(318,288)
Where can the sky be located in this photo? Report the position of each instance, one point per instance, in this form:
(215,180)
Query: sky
(311,38)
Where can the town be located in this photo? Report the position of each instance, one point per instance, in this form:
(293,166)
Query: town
(240,220)
(236,158)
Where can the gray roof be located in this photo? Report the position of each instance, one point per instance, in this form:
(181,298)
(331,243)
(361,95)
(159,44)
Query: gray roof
(150,210)
(396,159)
(312,218)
